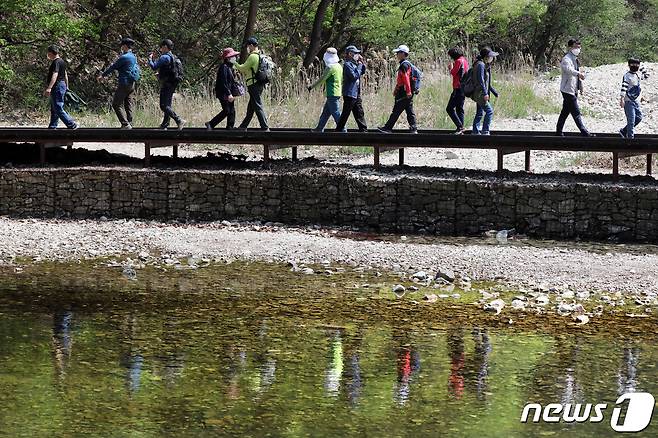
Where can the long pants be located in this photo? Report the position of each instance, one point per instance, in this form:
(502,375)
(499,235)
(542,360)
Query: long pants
(228,113)
(484,109)
(255,105)
(570,106)
(352,105)
(455,108)
(403,104)
(633,118)
(166,98)
(57,112)
(331,109)
(124,100)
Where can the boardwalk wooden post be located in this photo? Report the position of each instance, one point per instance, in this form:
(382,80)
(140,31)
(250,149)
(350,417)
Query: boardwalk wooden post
(42,153)
(147,154)
(294,153)
(175,152)
(266,153)
(401,156)
(649,163)
(376,157)
(527,161)
(500,157)
(615,164)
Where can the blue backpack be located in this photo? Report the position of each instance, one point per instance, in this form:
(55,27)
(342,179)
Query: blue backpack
(416,76)
(135,73)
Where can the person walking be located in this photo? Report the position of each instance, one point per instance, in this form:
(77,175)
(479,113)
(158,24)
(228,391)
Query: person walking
(124,96)
(353,69)
(57,83)
(168,83)
(332,78)
(629,100)
(483,91)
(226,89)
(403,93)
(571,85)
(254,87)
(458,69)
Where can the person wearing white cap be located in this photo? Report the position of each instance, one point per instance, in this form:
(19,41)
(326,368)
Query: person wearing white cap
(483,91)
(332,78)
(353,69)
(404,93)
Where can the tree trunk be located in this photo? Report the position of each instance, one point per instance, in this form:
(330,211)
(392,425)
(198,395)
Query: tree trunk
(316,32)
(249,28)
(233,10)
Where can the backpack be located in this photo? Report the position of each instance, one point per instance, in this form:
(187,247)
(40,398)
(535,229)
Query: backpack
(135,73)
(468,83)
(175,69)
(265,71)
(416,76)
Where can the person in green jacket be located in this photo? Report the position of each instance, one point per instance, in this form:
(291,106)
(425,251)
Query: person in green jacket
(332,78)
(254,88)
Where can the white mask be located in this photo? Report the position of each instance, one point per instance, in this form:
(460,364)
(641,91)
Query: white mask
(233,60)
(576,52)
(489,59)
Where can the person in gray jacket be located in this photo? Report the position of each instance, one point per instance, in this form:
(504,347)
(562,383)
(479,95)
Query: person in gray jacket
(570,86)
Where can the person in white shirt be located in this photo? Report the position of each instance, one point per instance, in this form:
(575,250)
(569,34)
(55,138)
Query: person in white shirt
(570,86)
(629,98)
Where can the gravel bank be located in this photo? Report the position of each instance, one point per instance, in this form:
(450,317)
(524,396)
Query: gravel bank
(577,268)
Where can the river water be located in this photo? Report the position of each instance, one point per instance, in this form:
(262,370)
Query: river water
(254,350)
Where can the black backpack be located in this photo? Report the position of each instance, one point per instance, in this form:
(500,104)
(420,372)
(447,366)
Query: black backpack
(468,83)
(175,72)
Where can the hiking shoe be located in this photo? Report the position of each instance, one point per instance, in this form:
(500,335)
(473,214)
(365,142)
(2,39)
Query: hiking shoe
(128,126)
(180,124)
(622,133)
(208,126)
(384,130)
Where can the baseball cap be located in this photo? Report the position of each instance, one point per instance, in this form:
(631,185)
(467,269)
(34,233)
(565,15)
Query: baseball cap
(402,48)
(352,49)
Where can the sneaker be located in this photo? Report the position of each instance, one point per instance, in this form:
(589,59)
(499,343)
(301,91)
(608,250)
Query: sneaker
(241,129)
(486,133)
(163,128)
(622,133)
(266,130)
(128,126)
(459,131)
(342,131)
(559,134)
(317,130)
(588,134)
(181,123)
(413,131)
(208,127)
(384,130)
(75,126)
(363,130)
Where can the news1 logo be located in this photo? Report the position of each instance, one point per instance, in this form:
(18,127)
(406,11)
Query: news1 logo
(638,412)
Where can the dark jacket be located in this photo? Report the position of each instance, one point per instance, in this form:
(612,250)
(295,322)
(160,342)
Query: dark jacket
(352,73)
(224,82)
(483,82)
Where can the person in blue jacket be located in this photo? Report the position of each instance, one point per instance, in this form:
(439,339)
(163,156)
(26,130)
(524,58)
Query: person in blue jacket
(124,96)
(483,91)
(353,69)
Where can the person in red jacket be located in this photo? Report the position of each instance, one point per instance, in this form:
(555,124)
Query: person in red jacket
(404,96)
(458,69)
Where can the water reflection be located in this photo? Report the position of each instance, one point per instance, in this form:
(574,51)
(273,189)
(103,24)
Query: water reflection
(248,376)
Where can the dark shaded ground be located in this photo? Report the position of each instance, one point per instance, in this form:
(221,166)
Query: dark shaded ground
(27,156)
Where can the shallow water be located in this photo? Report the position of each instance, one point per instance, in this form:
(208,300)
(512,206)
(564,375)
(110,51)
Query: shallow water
(254,350)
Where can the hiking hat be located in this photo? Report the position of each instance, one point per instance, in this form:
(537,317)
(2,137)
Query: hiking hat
(229,53)
(402,48)
(253,41)
(331,56)
(486,51)
(352,49)
(127,42)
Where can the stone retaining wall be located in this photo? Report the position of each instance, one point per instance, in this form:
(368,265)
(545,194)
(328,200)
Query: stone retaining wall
(405,203)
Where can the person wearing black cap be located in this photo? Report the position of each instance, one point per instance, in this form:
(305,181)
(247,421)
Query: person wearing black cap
(124,96)
(483,91)
(168,83)
(254,88)
(353,69)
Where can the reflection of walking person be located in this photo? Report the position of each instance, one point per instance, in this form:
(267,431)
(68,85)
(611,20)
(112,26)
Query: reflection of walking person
(456,353)
(335,369)
(408,364)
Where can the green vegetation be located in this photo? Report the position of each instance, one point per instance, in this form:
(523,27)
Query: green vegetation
(294,32)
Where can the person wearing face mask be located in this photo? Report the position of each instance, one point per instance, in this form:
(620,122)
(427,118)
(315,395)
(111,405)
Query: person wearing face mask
(570,86)
(483,91)
(332,78)
(226,89)
(124,96)
(630,97)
